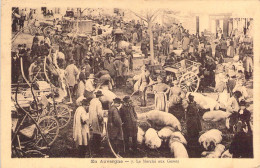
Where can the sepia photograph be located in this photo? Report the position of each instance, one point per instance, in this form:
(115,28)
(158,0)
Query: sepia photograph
(124,83)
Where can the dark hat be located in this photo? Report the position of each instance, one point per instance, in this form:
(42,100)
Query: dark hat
(242,103)
(19,45)
(117,100)
(99,93)
(126,98)
(191,97)
(82,76)
(71,60)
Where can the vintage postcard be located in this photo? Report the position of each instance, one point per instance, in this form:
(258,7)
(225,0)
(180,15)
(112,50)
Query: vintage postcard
(130,83)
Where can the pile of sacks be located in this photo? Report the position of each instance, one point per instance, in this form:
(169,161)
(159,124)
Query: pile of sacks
(156,127)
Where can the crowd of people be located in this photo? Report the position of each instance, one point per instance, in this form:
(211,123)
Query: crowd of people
(88,64)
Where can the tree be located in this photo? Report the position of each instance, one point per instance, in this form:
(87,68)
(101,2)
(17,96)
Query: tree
(149,17)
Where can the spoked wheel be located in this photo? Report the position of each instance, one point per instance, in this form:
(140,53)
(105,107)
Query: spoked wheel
(189,82)
(49,127)
(62,113)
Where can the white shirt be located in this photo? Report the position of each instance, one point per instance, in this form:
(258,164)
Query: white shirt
(89,86)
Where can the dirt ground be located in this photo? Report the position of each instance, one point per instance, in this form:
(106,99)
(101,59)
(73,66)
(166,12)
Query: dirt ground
(64,145)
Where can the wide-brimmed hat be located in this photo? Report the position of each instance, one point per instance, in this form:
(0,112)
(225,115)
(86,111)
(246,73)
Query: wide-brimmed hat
(71,60)
(242,103)
(99,93)
(117,100)
(126,98)
(91,76)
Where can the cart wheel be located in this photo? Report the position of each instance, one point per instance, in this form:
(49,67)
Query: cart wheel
(63,114)
(189,82)
(49,127)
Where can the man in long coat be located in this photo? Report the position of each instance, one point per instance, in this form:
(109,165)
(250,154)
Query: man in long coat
(129,119)
(81,127)
(193,128)
(96,120)
(114,125)
(71,75)
(248,65)
(119,66)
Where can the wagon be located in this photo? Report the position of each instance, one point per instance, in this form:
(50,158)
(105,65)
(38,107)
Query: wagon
(37,114)
(186,72)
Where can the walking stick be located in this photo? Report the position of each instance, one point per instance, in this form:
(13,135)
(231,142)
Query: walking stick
(89,148)
(110,146)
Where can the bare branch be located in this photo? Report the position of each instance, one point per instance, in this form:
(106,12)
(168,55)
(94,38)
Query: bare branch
(141,17)
(154,15)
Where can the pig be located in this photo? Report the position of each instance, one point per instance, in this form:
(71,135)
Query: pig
(204,102)
(165,132)
(212,136)
(176,145)
(160,119)
(178,136)
(178,149)
(219,149)
(216,115)
(226,154)
(151,139)
(140,136)
(223,98)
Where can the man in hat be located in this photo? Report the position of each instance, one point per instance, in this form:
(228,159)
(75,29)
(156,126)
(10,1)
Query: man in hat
(114,125)
(129,119)
(81,127)
(176,96)
(119,66)
(90,87)
(77,56)
(96,121)
(245,114)
(143,82)
(193,128)
(47,39)
(160,91)
(104,78)
(248,65)
(71,74)
(34,68)
(242,143)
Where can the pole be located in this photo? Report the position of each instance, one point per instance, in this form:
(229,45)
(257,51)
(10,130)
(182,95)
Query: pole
(151,41)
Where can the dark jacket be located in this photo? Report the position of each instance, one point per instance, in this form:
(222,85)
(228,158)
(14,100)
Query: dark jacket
(242,145)
(129,119)
(114,124)
(193,121)
(245,117)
